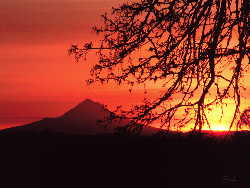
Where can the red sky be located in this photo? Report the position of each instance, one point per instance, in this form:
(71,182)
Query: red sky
(37,77)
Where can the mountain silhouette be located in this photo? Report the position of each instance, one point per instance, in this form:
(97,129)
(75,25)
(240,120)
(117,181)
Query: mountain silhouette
(86,118)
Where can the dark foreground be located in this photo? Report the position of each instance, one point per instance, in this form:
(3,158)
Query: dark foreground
(58,161)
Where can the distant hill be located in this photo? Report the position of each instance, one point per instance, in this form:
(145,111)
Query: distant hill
(83,119)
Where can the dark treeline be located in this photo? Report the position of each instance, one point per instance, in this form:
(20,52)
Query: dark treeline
(57,160)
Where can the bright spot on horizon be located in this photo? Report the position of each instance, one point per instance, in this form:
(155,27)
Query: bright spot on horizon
(219,127)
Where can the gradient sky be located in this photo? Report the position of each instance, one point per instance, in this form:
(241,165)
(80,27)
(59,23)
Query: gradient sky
(37,77)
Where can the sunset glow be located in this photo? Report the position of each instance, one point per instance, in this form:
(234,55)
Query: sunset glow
(219,127)
(39,79)
(125,93)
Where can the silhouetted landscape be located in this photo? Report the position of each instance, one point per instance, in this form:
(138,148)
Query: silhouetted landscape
(184,65)
(43,154)
(87,118)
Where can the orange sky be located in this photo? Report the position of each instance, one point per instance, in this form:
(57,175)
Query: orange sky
(35,66)
(37,77)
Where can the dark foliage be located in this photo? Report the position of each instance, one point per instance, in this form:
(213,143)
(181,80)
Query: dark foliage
(60,160)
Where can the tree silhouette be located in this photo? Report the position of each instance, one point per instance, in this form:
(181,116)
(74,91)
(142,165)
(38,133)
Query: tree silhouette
(197,49)
(244,118)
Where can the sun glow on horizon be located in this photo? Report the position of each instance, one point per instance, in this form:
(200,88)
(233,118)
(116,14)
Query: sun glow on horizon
(218,127)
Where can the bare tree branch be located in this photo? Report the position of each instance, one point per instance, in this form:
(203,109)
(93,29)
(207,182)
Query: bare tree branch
(196,48)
